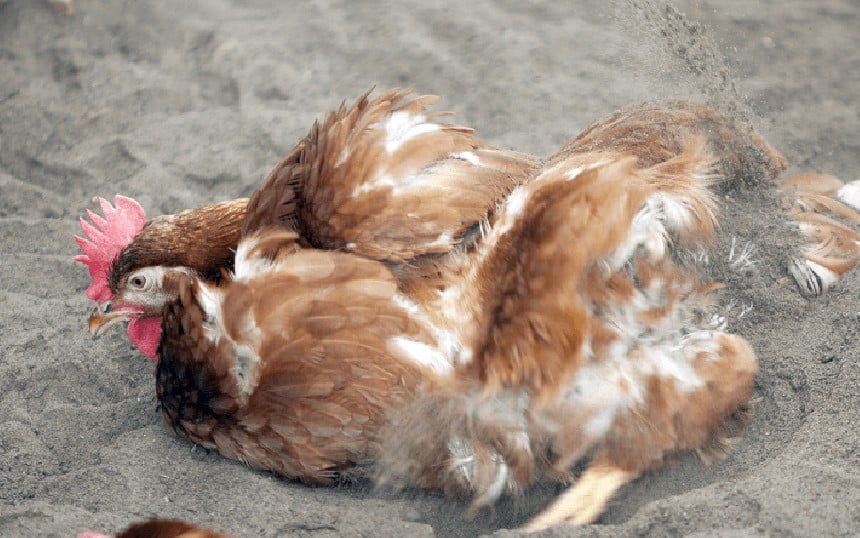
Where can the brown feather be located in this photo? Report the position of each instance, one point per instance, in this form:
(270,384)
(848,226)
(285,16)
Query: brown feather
(203,239)
(297,381)
(568,291)
(357,182)
(534,319)
(657,132)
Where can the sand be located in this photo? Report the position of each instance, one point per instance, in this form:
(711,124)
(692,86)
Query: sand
(182,103)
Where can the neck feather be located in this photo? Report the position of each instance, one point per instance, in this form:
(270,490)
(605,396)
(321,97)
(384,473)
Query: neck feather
(203,239)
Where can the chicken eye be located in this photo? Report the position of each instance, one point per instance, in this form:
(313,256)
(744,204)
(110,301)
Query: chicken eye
(137,282)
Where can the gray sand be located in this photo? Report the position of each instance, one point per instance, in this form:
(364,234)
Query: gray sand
(182,103)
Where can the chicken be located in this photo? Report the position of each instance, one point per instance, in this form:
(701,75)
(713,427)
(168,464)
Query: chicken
(553,320)
(160,528)
(573,332)
(384,178)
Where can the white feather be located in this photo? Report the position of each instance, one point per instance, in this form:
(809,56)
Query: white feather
(403,126)
(211,301)
(850,194)
(248,267)
(467,156)
(420,353)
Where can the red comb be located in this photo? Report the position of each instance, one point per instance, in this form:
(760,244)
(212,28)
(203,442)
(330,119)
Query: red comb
(107,237)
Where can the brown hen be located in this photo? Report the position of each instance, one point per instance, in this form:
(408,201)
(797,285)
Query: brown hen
(406,297)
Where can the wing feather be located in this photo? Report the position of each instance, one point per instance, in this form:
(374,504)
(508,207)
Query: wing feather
(387,179)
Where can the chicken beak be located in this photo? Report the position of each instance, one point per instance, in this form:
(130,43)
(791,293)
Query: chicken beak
(101,319)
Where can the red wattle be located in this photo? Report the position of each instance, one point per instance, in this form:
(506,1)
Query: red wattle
(145,333)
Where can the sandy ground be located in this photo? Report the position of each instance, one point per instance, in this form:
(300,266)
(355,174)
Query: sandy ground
(182,103)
